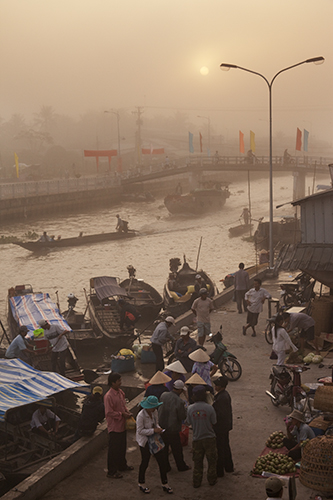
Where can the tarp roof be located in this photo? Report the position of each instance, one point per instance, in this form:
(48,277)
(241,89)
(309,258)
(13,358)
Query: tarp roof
(29,309)
(20,384)
(105,287)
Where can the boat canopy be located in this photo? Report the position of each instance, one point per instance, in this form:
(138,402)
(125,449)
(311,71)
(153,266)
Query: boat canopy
(20,385)
(29,309)
(105,287)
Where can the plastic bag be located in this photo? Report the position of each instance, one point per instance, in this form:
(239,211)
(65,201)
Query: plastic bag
(130,424)
(155,443)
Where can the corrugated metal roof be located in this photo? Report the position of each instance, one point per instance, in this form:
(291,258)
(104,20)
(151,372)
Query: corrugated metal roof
(320,194)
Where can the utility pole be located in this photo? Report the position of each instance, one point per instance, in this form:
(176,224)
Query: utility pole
(139,122)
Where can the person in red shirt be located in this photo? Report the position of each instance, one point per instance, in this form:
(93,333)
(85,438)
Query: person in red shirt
(116,415)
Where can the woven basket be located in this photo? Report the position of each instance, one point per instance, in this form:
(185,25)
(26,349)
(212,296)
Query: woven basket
(323,399)
(317,464)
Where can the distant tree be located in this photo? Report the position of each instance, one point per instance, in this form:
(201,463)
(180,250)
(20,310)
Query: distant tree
(35,139)
(45,118)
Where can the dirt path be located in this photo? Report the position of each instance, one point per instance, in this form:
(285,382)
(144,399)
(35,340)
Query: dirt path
(254,416)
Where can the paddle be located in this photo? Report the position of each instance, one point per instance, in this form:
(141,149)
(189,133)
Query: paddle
(196,267)
(4,333)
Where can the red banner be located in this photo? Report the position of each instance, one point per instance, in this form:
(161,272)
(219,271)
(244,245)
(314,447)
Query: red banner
(148,151)
(299,140)
(241,142)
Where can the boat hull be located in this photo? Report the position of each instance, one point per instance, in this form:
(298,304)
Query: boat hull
(239,230)
(35,246)
(284,231)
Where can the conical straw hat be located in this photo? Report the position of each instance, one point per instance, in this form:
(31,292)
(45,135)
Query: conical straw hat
(199,355)
(196,380)
(177,367)
(159,378)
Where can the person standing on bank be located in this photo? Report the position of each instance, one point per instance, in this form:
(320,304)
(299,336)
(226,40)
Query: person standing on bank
(116,415)
(184,346)
(255,299)
(242,284)
(202,417)
(171,415)
(160,337)
(146,426)
(222,407)
(201,308)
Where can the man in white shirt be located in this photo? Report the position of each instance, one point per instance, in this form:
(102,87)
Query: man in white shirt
(255,298)
(241,287)
(18,348)
(201,308)
(59,343)
(44,421)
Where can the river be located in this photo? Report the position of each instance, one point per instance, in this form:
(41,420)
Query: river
(163,236)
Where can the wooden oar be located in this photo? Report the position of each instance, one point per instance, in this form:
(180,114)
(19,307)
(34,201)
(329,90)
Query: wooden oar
(4,333)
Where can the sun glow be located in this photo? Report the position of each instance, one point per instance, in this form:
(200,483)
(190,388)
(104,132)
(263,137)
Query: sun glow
(204,70)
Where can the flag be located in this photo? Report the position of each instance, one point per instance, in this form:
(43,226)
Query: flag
(241,142)
(200,136)
(306,140)
(298,140)
(190,139)
(17,165)
(252,141)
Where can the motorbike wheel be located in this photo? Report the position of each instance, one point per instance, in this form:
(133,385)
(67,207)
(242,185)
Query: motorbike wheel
(268,334)
(274,402)
(231,368)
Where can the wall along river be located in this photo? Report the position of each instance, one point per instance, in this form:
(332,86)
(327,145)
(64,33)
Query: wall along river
(163,236)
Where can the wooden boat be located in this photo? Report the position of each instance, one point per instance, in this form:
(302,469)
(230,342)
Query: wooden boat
(197,202)
(104,312)
(286,230)
(178,292)
(239,230)
(35,246)
(22,452)
(147,301)
(27,308)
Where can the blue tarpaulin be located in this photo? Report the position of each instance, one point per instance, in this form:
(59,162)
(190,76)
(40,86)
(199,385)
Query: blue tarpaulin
(20,384)
(29,309)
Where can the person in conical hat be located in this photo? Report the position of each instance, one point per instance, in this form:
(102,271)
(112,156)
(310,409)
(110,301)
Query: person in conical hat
(176,371)
(192,382)
(203,366)
(157,385)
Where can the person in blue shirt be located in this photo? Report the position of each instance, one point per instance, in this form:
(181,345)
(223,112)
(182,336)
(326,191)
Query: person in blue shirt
(19,347)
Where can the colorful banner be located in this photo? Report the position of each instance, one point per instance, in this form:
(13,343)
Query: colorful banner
(146,151)
(305,140)
(241,142)
(190,140)
(200,137)
(17,165)
(298,140)
(252,141)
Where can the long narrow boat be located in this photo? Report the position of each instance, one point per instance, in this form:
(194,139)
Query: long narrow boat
(24,451)
(179,293)
(27,308)
(35,246)
(104,313)
(145,298)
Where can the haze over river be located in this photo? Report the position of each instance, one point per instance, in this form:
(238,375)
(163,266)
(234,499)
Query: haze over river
(163,236)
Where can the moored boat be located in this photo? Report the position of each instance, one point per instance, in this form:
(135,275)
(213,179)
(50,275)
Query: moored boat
(145,298)
(179,290)
(239,230)
(35,246)
(27,308)
(23,451)
(198,201)
(104,312)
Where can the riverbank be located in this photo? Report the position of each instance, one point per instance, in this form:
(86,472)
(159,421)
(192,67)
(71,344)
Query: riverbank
(254,418)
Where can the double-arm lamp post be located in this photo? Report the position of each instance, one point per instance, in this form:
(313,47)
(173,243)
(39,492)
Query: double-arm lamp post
(226,67)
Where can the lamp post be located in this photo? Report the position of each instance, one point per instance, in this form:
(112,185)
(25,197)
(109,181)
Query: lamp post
(118,128)
(227,67)
(208,127)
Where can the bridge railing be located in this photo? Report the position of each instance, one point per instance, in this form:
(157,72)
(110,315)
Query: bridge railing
(28,189)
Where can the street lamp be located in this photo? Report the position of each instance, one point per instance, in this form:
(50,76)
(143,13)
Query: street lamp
(227,67)
(208,126)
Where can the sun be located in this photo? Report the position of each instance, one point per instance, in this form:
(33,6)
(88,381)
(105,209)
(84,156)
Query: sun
(204,70)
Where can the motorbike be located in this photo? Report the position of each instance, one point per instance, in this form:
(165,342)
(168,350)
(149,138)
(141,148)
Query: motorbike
(286,389)
(298,293)
(227,362)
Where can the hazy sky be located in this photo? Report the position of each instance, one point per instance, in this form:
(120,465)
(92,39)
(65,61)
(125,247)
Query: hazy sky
(79,55)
